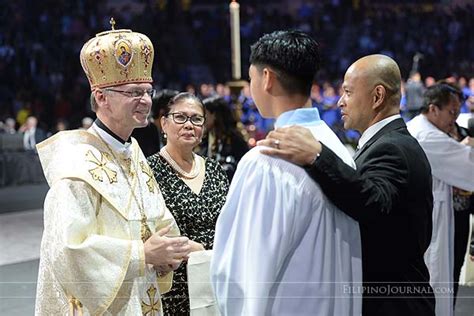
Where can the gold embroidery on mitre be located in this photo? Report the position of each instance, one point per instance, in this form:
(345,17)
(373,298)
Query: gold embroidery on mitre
(117,57)
(101,168)
(99,56)
(146,170)
(146,52)
(123,51)
(155,305)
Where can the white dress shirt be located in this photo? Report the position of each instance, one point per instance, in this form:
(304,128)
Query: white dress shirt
(372,130)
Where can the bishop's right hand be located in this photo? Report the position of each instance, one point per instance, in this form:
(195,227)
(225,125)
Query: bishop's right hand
(166,251)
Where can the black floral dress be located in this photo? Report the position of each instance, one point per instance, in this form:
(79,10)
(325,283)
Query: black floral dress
(195,214)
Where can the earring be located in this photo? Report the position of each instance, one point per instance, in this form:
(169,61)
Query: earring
(165,136)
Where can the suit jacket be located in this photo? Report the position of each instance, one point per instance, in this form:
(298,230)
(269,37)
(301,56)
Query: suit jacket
(390,195)
(40,135)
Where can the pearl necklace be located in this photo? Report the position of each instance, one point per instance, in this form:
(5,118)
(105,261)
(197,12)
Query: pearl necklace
(195,170)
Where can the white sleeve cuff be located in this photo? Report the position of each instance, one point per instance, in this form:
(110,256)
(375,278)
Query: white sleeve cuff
(136,268)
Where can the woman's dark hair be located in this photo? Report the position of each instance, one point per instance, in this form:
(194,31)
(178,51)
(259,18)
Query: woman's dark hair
(225,122)
(180,97)
(161,100)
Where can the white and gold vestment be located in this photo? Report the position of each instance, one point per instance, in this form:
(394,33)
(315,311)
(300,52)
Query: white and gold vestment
(92,254)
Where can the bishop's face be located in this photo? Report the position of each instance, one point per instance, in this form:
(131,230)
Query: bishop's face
(121,111)
(132,111)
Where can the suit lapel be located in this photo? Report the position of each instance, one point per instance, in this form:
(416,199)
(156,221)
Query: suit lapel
(395,124)
(359,151)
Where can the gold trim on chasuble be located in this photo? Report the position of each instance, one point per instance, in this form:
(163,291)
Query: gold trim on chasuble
(145,230)
(151,178)
(128,166)
(154,306)
(75,307)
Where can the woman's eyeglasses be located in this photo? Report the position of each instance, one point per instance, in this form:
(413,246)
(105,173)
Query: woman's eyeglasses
(180,118)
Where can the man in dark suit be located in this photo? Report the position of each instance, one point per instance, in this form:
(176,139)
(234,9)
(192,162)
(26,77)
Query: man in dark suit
(389,194)
(32,134)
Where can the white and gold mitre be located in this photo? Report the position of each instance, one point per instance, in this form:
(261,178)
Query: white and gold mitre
(117,57)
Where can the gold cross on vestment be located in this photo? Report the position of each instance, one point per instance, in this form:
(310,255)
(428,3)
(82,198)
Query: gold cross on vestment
(101,168)
(146,170)
(155,306)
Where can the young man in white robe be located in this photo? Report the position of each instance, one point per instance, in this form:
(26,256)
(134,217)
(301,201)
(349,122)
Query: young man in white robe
(281,248)
(452,165)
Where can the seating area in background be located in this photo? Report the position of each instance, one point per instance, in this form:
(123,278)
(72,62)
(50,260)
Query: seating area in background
(40,59)
(18,166)
(192,41)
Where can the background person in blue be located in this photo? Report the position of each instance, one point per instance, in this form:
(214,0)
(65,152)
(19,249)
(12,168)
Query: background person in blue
(280,247)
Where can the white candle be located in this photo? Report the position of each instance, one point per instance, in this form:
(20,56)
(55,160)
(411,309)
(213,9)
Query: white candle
(235,39)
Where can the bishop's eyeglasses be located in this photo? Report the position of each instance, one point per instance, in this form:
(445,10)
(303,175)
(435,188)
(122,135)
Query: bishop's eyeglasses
(181,118)
(139,93)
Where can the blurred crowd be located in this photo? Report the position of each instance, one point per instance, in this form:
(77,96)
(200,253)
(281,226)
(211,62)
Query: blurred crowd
(250,123)
(40,43)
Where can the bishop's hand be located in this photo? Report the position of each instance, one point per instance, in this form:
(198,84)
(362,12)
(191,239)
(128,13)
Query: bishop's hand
(166,251)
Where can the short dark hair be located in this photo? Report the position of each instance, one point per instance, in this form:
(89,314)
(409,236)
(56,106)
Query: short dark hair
(292,54)
(440,94)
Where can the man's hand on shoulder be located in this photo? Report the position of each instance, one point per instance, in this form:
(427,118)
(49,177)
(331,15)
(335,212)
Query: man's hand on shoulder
(295,144)
(468,141)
